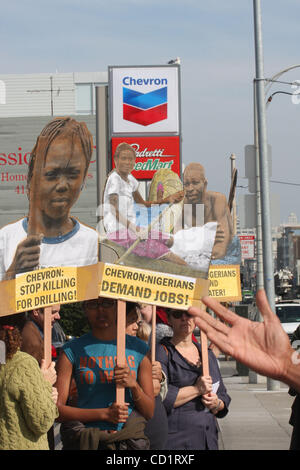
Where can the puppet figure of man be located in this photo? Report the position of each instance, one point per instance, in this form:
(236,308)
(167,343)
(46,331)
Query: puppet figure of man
(215,207)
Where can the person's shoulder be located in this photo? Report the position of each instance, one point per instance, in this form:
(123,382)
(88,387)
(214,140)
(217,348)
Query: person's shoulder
(164,348)
(132,178)
(136,343)
(29,326)
(114,175)
(87,228)
(211,354)
(77,342)
(133,181)
(215,196)
(21,361)
(14,226)
(166,341)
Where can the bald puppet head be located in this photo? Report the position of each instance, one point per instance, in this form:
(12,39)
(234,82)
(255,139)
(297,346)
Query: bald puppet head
(194,183)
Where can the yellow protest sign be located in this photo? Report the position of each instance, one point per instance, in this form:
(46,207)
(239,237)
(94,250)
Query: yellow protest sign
(46,287)
(138,285)
(225,283)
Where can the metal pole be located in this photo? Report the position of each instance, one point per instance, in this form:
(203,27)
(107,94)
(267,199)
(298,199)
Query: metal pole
(101,140)
(106,255)
(259,250)
(264,170)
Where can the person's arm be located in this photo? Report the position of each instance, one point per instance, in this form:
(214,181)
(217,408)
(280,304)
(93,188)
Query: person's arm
(141,389)
(218,402)
(177,396)
(114,414)
(202,386)
(262,346)
(173,198)
(34,395)
(156,377)
(213,403)
(220,213)
(114,202)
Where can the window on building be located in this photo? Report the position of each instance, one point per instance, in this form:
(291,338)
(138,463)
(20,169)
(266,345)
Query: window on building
(86,97)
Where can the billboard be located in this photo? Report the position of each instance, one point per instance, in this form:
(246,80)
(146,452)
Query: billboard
(144,100)
(152,154)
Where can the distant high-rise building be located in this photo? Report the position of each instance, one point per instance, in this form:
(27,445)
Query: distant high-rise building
(292,219)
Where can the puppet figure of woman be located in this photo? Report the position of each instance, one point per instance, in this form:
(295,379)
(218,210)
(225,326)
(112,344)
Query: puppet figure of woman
(120,194)
(50,236)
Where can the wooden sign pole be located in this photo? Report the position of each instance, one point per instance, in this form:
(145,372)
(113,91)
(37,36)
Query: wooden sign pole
(34,229)
(47,336)
(153,333)
(204,353)
(121,344)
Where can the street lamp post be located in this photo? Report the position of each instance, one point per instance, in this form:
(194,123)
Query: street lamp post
(264,170)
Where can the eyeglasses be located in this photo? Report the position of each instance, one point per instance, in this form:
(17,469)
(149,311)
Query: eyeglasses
(178,314)
(105,303)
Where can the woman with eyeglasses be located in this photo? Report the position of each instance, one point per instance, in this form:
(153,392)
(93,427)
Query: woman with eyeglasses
(92,360)
(193,401)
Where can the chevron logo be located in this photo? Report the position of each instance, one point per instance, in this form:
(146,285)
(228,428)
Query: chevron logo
(145,108)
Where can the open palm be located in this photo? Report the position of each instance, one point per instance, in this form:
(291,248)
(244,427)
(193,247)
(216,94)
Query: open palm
(262,346)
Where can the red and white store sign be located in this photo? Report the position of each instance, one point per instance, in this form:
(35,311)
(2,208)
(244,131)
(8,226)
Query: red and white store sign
(152,154)
(247,246)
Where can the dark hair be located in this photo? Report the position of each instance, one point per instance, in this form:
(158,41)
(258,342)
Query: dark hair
(10,332)
(122,147)
(66,127)
(130,306)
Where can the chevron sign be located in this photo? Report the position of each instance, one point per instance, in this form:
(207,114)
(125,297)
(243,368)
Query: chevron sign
(144,100)
(145,108)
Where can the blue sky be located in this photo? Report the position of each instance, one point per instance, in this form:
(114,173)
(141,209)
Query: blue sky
(215,41)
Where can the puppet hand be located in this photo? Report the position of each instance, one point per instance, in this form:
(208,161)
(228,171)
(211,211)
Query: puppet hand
(27,256)
(142,233)
(220,234)
(174,198)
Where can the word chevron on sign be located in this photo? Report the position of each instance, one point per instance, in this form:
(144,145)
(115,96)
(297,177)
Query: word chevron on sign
(145,108)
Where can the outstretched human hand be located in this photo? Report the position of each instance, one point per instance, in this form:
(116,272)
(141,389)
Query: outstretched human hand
(262,346)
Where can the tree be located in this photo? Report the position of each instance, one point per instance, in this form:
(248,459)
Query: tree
(73,319)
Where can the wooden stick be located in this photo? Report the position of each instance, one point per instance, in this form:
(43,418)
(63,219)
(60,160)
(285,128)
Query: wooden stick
(153,333)
(47,336)
(33,225)
(204,353)
(232,188)
(121,344)
(138,240)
